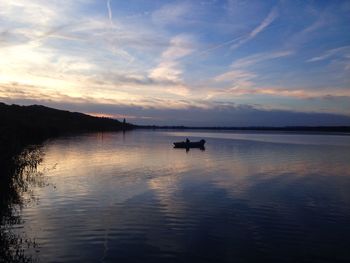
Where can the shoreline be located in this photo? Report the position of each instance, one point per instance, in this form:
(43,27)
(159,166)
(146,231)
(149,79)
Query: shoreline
(341,130)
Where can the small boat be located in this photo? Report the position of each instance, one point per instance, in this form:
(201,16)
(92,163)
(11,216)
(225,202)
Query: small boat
(188,144)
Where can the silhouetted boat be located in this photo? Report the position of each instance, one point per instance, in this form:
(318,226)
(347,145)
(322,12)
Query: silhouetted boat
(188,145)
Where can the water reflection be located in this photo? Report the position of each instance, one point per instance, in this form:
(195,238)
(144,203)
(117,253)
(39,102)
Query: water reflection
(19,175)
(132,197)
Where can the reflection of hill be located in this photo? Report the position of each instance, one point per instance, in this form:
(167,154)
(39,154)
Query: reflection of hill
(20,125)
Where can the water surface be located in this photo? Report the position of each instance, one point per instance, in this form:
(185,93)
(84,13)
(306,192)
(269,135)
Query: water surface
(247,198)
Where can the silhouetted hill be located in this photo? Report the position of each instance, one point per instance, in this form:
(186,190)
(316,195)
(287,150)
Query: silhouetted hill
(20,125)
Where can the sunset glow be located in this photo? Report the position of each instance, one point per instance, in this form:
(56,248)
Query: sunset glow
(157,60)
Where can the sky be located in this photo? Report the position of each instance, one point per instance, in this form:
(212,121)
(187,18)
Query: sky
(199,63)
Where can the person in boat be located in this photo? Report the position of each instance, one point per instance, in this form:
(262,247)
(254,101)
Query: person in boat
(187,140)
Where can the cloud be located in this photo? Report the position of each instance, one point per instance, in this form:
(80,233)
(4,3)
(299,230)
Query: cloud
(342,52)
(240,80)
(260,57)
(285,92)
(64,50)
(169,68)
(234,75)
(171,14)
(220,45)
(84,55)
(15,92)
(218,114)
(257,30)
(110,14)
(265,23)
(320,20)
(39,14)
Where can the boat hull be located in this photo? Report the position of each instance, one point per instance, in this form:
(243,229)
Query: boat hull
(188,145)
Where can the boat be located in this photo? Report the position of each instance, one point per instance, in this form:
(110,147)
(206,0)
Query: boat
(188,144)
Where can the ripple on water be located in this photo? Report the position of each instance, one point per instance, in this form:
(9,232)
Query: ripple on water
(136,199)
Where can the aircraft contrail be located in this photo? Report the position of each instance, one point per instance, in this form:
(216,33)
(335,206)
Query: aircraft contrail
(110,14)
(208,50)
(220,45)
(238,41)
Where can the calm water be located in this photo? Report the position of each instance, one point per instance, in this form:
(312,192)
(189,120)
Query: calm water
(247,198)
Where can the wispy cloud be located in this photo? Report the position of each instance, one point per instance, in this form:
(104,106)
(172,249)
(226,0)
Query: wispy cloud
(260,57)
(169,67)
(161,55)
(32,93)
(250,89)
(223,44)
(189,113)
(265,23)
(343,52)
(110,14)
(241,80)
(240,75)
(273,14)
(320,20)
(234,75)
(171,13)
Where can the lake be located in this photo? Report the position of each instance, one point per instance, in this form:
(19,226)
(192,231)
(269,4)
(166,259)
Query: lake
(132,197)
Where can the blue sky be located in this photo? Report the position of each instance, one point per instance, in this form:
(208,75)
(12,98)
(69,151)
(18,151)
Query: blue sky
(208,62)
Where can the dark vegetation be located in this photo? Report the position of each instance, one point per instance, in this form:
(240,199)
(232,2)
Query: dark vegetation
(18,176)
(22,127)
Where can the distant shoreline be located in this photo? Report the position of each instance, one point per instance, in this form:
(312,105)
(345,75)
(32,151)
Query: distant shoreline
(308,129)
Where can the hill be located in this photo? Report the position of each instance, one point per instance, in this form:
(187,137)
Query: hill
(21,125)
